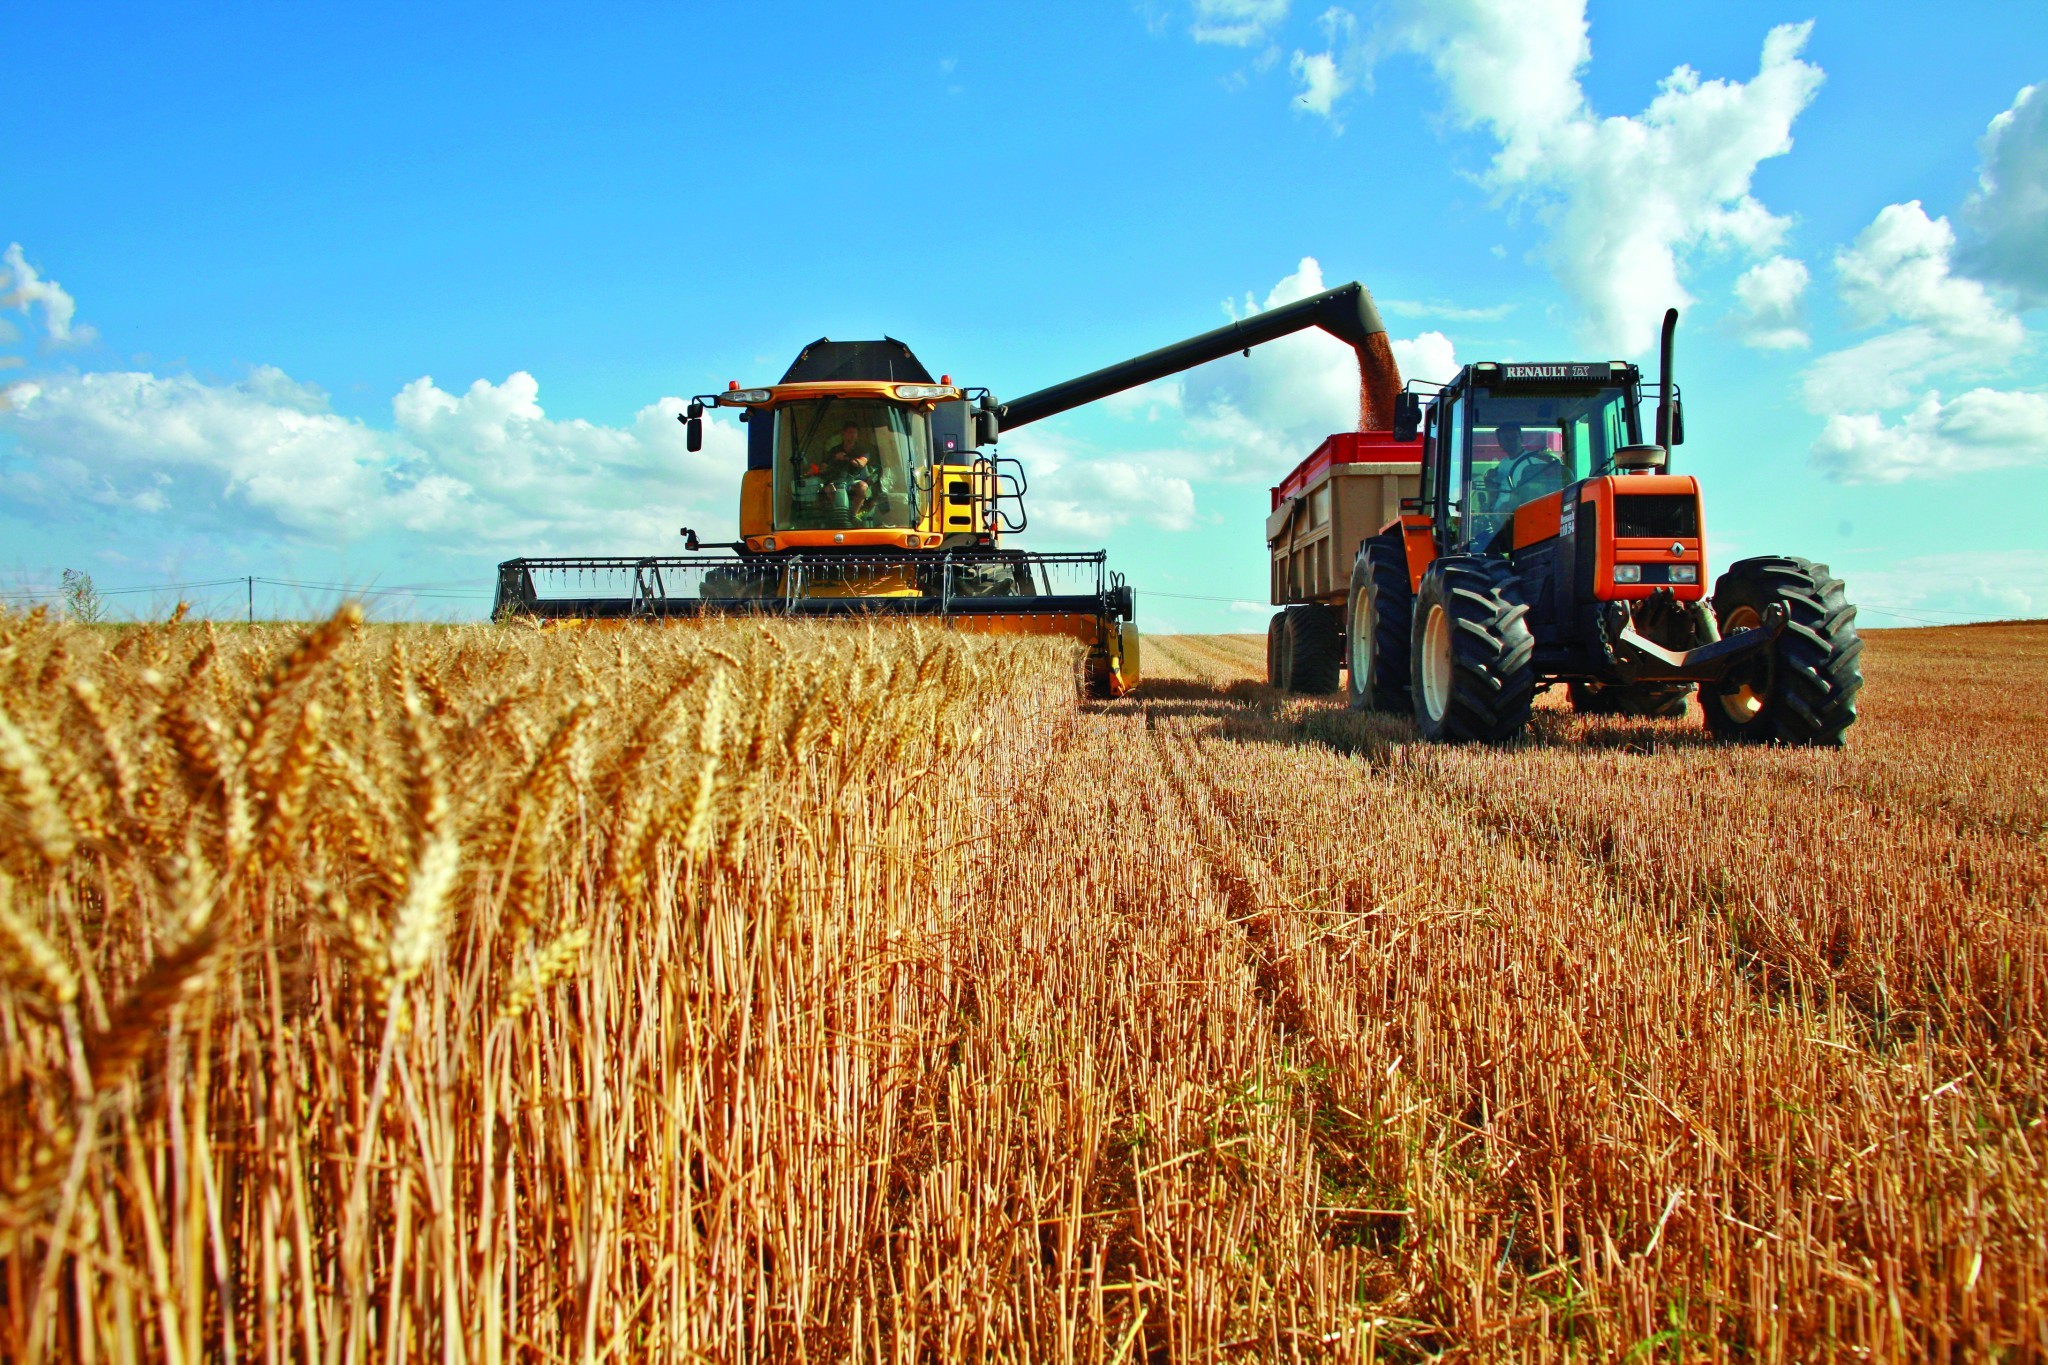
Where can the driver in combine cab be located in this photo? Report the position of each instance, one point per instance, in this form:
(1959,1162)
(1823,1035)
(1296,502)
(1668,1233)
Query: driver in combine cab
(1522,473)
(852,464)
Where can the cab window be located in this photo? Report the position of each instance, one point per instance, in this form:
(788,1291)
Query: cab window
(847,463)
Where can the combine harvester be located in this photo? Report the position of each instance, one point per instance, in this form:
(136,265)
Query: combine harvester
(1515,532)
(873,490)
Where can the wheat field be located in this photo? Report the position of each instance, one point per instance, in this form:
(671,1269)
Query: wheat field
(779,992)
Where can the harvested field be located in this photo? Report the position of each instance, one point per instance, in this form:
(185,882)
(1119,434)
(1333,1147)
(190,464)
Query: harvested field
(817,992)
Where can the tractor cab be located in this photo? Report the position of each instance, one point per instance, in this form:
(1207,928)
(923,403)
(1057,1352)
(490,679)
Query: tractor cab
(1500,437)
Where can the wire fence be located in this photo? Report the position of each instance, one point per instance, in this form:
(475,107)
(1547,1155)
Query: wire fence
(465,592)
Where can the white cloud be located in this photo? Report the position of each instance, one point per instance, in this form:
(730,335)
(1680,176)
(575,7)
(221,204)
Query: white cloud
(1321,82)
(2010,209)
(1625,199)
(1771,294)
(487,468)
(1325,76)
(26,288)
(1429,356)
(1983,429)
(1899,270)
(1898,267)
(1078,493)
(1237,23)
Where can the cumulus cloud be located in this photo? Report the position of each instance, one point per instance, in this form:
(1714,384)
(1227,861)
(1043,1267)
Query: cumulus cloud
(1899,272)
(1771,294)
(2010,208)
(486,468)
(1983,429)
(26,289)
(1237,23)
(1325,76)
(1079,493)
(1430,356)
(1899,267)
(1625,199)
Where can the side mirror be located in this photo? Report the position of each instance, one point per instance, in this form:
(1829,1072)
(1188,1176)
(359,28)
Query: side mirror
(1677,422)
(988,428)
(1407,415)
(692,418)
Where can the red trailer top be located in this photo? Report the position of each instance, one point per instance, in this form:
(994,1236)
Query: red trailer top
(1347,447)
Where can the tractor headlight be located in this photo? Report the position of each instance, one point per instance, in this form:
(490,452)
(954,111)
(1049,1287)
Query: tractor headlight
(918,392)
(1685,573)
(746,396)
(1628,573)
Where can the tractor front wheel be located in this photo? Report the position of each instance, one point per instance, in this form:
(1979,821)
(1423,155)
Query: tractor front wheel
(1472,669)
(1802,690)
(1380,621)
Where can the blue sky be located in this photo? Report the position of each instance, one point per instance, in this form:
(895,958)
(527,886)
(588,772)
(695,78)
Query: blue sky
(380,295)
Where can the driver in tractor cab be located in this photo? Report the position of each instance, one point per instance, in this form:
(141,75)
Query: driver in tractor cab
(852,464)
(1523,473)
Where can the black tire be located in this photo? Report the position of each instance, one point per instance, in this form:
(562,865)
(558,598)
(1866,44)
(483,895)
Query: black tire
(1662,701)
(1472,665)
(1273,649)
(1802,690)
(1377,623)
(1309,650)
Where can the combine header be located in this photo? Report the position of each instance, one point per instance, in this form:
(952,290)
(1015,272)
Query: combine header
(872,489)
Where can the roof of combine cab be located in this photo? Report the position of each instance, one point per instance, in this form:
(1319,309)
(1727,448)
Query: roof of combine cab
(885,361)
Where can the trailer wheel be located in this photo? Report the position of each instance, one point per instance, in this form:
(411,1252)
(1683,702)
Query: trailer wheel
(1308,650)
(1378,624)
(1472,670)
(1273,649)
(1802,690)
(1661,701)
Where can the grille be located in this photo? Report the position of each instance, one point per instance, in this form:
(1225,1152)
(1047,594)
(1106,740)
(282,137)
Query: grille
(1662,516)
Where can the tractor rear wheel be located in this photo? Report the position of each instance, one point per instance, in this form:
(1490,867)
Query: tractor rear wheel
(1661,700)
(1380,619)
(1472,672)
(1802,690)
(1305,650)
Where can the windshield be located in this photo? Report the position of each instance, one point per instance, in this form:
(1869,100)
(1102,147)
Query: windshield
(1525,445)
(844,463)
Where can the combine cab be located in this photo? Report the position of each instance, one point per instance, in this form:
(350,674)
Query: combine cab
(867,492)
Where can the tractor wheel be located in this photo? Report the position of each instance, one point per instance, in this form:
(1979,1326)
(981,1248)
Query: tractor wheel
(1308,650)
(1802,690)
(1660,700)
(1381,610)
(1472,669)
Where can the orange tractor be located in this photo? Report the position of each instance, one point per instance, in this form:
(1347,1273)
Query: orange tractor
(1538,539)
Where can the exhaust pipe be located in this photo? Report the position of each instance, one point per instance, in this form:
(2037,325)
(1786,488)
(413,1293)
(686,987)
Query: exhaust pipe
(1664,381)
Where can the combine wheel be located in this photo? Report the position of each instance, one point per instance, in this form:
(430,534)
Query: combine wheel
(1660,700)
(1472,671)
(1304,650)
(1382,607)
(1803,689)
